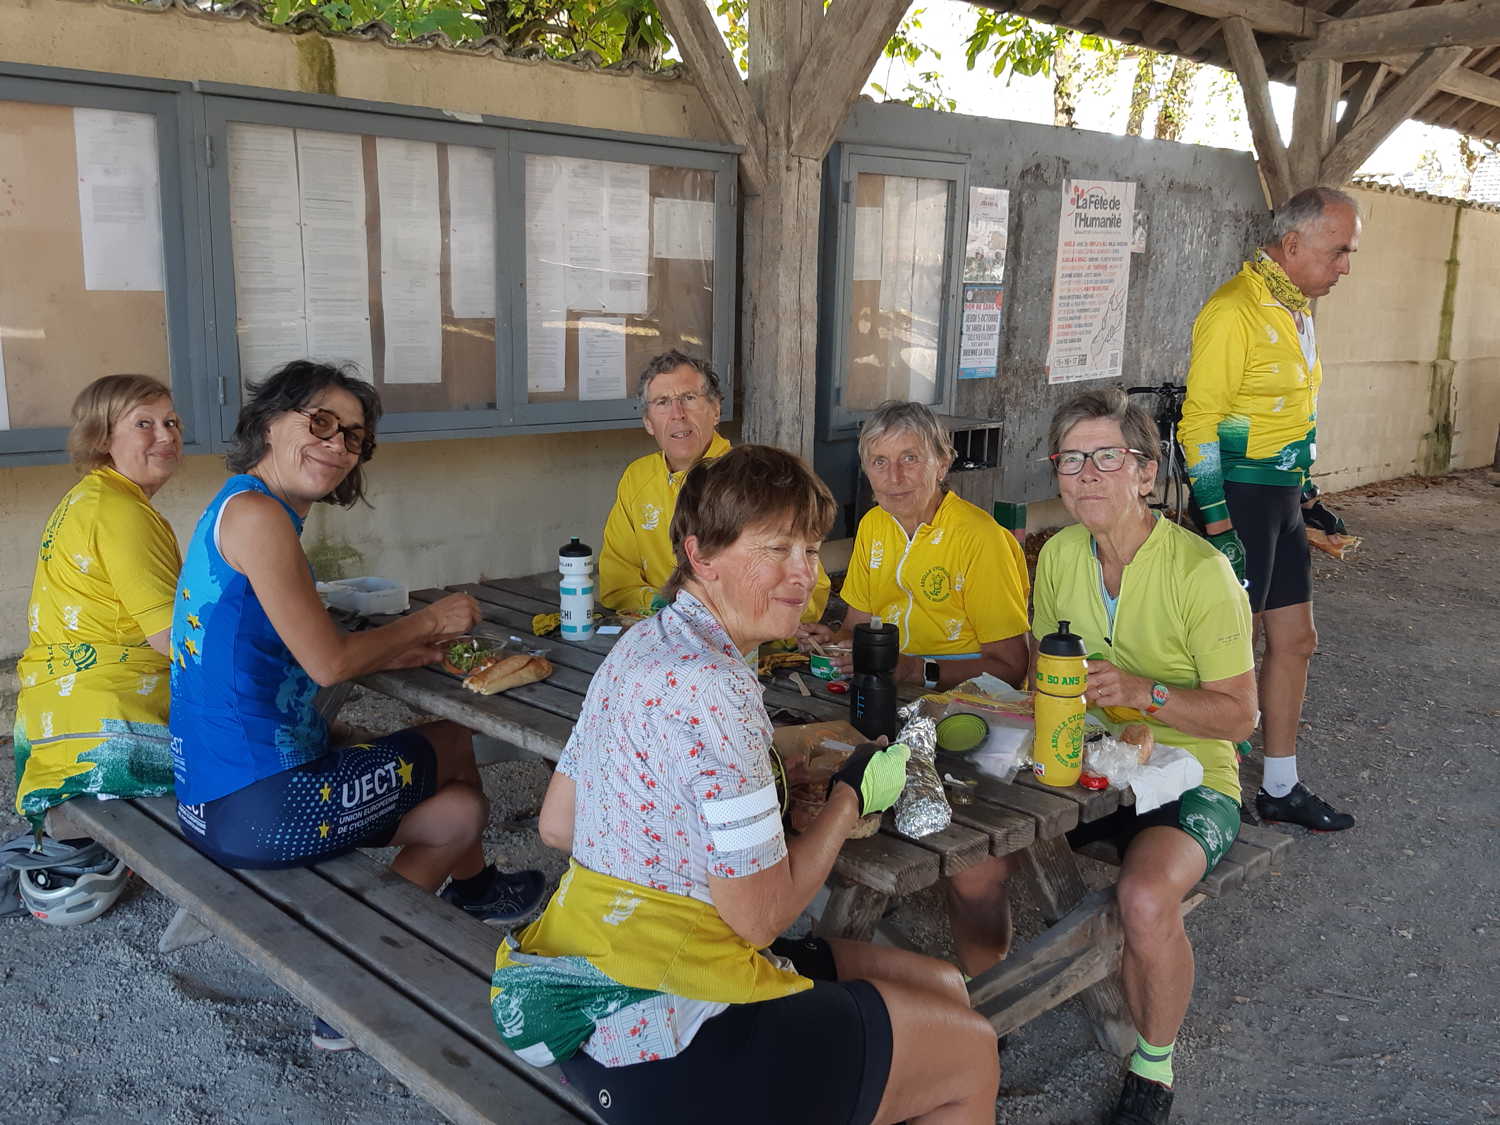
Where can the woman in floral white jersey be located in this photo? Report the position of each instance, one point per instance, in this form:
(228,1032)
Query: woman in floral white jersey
(649,976)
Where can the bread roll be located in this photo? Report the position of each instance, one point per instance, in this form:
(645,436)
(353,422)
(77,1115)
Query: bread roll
(1140,736)
(509,671)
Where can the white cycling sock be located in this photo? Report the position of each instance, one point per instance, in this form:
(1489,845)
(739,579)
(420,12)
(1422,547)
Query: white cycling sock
(1280,776)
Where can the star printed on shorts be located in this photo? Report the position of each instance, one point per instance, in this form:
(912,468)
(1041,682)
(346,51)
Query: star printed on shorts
(323,831)
(326,793)
(404,769)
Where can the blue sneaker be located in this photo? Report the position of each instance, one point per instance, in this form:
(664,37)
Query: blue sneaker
(511,897)
(327,1038)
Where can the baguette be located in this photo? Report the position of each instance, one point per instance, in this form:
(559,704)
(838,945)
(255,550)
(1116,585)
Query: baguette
(1139,735)
(507,672)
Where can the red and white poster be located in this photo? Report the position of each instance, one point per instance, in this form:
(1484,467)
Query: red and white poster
(1091,286)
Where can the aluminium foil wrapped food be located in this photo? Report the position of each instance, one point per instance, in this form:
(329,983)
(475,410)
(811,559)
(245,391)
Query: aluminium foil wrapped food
(922,808)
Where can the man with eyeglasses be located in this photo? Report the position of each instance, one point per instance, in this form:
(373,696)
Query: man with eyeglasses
(680,402)
(1249,433)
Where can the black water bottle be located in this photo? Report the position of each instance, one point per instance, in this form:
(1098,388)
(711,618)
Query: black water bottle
(872,691)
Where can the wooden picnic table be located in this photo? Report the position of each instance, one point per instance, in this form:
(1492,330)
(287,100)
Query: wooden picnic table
(1077,955)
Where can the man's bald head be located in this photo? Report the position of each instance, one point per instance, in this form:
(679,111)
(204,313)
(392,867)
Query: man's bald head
(1312,236)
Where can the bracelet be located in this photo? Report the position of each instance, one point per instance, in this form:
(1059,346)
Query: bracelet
(1159,697)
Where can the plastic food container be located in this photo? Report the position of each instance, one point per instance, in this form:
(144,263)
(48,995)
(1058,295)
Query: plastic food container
(365,596)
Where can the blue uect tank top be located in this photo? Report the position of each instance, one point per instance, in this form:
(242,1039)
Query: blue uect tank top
(242,707)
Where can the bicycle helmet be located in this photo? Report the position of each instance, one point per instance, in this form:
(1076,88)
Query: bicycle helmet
(67,884)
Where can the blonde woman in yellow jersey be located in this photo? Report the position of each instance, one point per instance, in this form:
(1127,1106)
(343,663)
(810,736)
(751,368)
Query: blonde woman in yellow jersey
(680,401)
(92,712)
(951,578)
(1249,434)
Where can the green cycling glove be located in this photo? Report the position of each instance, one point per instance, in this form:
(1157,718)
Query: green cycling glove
(1228,544)
(877,774)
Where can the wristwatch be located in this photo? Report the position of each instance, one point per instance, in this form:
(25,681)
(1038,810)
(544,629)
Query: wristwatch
(1159,697)
(930,673)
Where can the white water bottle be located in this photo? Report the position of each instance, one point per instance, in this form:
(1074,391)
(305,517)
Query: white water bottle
(575,570)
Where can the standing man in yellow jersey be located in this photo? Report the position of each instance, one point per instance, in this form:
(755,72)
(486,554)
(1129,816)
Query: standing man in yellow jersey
(951,578)
(680,402)
(1249,433)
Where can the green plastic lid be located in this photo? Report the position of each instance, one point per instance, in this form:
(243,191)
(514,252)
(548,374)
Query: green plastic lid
(962,732)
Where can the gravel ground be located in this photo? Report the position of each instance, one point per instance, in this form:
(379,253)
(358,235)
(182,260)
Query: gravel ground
(1357,983)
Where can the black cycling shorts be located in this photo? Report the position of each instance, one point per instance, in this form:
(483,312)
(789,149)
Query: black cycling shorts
(819,1057)
(352,797)
(1278,559)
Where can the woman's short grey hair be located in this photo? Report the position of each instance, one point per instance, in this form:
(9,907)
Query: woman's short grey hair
(893,415)
(671,361)
(1110,404)
(1304,208)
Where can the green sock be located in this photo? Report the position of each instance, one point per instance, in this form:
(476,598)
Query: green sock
(1153,1063)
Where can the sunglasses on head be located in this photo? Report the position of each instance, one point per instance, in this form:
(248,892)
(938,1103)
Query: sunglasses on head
(324,424)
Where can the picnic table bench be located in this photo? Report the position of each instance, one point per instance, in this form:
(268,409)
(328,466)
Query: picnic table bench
(1079,954)
(399,971)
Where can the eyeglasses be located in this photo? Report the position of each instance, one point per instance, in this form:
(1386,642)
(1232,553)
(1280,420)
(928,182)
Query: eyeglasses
(688,400)
(323,424)
(1069,462)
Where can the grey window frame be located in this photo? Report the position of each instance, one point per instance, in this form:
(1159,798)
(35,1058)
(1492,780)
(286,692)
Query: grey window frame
(173,106)
(528,417)
(845,164)
(221,111)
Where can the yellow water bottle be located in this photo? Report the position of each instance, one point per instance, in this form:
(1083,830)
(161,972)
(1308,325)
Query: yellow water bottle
(1061,676)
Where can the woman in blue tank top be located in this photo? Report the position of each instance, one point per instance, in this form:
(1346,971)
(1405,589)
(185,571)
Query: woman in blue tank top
(259,782)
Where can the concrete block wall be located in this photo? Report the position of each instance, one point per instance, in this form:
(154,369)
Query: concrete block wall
(1388,393)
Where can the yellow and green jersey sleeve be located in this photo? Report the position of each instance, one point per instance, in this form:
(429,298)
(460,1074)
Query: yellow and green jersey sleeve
(636,559)
(1251,408)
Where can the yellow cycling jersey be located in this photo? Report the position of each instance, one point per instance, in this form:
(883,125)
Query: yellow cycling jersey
(958,583)
(1252,393)
(1181,620)
(636,559)
(92,711)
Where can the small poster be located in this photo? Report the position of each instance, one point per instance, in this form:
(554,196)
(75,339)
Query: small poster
(119,192)
(979,338)
(869,239)
(1091,284)
(988,234)
(682,229)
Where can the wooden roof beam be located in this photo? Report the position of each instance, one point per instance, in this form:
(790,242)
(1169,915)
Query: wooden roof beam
(1375,8)
(1250,66)
(1312,121)
(843,51)
(1192,42)
(1274,17)
(693,29)
(1469,23)
(1361,95)
(1390,110)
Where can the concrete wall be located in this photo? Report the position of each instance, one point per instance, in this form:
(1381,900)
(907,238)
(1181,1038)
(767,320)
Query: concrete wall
(444,511)
(1401,393)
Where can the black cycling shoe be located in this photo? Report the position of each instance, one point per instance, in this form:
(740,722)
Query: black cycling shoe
(1302,806)
(1142,1102)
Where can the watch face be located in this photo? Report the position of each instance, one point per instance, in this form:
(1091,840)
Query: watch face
(930,672)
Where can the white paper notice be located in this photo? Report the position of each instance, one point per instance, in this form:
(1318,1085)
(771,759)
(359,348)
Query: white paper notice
(627,235)
(682,229)
(601,357)
(119,199)
(471,231)
(1091,287)
(335,250)
(868,239)
(265,238)
(583,202)
(546,315)
(410,260)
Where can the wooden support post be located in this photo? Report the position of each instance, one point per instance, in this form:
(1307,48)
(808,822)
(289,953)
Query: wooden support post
(1390,110)
(1250,66)
(1312,121)
(1060,887)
